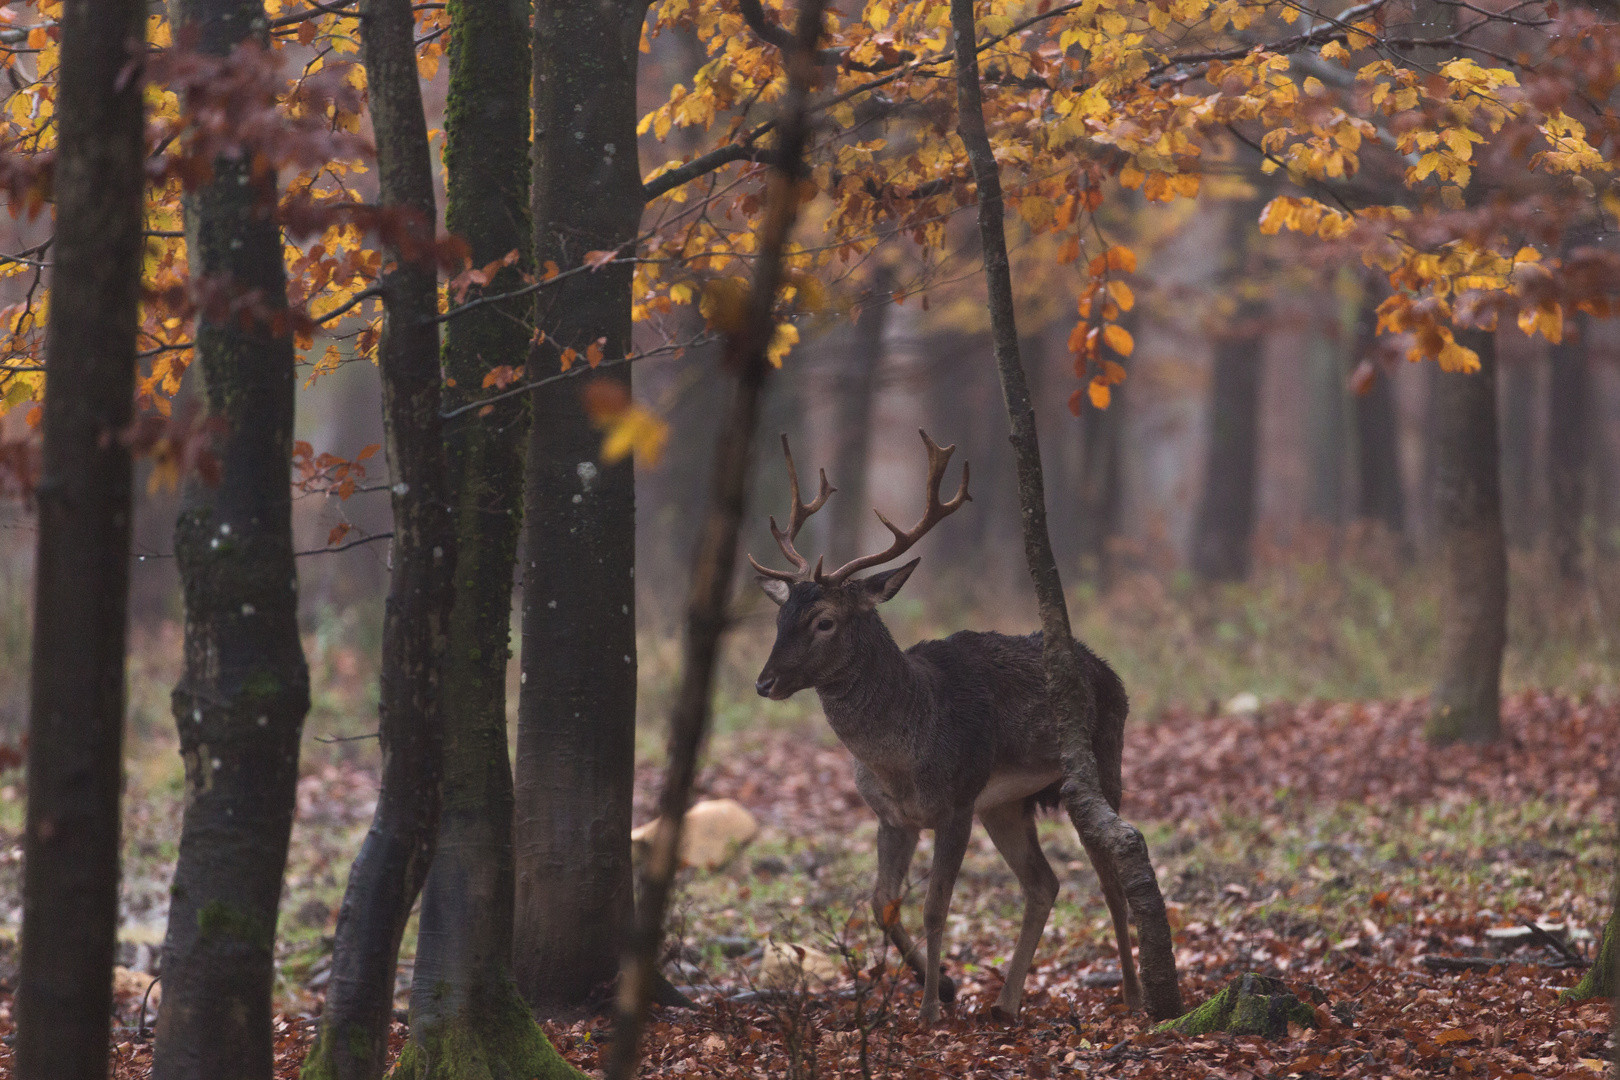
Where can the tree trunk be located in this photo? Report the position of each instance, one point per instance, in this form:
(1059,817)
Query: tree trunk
(856,386)
(81,573)
(1224,531)
(1378,488)
(717,552)
(388,873)
(1101,495)
(1569,424)
(241,700)
(1123,851)
(1326,430)
(466,1016)
(577,705)
(1516,414)
(1466,703)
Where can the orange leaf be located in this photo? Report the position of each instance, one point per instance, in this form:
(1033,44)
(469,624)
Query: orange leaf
(568,357)
(552,270)
(367,451)
(1452,1036)
(338,531)
(1121,258)
(593,352)
(1119,339)
(1100,394)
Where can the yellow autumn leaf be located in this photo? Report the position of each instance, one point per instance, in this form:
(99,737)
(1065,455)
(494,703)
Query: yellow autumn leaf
(783,338)
(634,430)
(1122,294)
(1099,393)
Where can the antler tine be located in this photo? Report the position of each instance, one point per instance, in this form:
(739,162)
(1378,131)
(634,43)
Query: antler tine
(796,518)
(938,458)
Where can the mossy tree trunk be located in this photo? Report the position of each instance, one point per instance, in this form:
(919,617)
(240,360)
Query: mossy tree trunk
(466,1017)
(1466,704)
(241,700)
(1116,846)
(577,705)
(393,861)
(81,572)
(1599,979)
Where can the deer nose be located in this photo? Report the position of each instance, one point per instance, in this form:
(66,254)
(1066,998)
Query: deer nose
(764,685)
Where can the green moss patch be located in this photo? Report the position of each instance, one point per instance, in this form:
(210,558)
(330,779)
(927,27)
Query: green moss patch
(1249,1005)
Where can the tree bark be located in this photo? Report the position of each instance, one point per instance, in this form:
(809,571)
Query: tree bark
(1516,415)
(388,873)
(1569,434)
(466,1016)
(1224,531)
(852,425)
(241,700)
(577,705)
(1120,844)
(717,552)
(81,574)
(1466,704)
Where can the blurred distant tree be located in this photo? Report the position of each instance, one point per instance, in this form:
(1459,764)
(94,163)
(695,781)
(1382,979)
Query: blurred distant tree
(854,386)
(1101,494)
(1379,493)
(1569,439)
(1223,534)
(1466,703)
(81,571)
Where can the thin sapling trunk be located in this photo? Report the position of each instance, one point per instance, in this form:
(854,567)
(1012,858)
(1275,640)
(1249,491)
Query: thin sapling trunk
(1115,846)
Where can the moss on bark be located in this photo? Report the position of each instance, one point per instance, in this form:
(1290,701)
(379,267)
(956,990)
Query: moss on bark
(1249,1005)
(1598,982)
(492,1040)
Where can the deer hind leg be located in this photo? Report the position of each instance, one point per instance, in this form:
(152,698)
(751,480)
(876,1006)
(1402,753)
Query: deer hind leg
(1114,893)
(1012,827)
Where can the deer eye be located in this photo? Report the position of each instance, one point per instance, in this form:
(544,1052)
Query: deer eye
(824,625)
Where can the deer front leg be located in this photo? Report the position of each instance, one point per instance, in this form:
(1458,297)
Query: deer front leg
(895,847)
(950,844)
(1012,827)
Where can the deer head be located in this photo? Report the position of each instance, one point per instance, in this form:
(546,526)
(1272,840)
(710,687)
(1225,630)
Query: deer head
(825,618)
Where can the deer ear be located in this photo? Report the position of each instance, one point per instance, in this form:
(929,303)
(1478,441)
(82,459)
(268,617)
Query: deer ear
(880,587)
(775,588)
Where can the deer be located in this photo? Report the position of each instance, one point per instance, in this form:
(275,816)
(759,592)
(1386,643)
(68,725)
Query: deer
(942,732)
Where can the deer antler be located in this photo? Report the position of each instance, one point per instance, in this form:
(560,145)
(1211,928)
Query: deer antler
(796,519)
(938,458)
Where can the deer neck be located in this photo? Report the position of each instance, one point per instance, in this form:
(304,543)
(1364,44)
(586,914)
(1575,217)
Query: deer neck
(871,701)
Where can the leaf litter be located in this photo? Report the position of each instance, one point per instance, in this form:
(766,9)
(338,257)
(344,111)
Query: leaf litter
(1323,844)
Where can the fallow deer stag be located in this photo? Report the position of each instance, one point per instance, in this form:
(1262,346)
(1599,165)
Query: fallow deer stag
(940,732)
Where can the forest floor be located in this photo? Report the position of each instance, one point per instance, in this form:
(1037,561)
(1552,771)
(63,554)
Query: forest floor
(1324,844)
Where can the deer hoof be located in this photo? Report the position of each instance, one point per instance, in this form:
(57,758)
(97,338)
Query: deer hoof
(930,1013)
(947,988)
